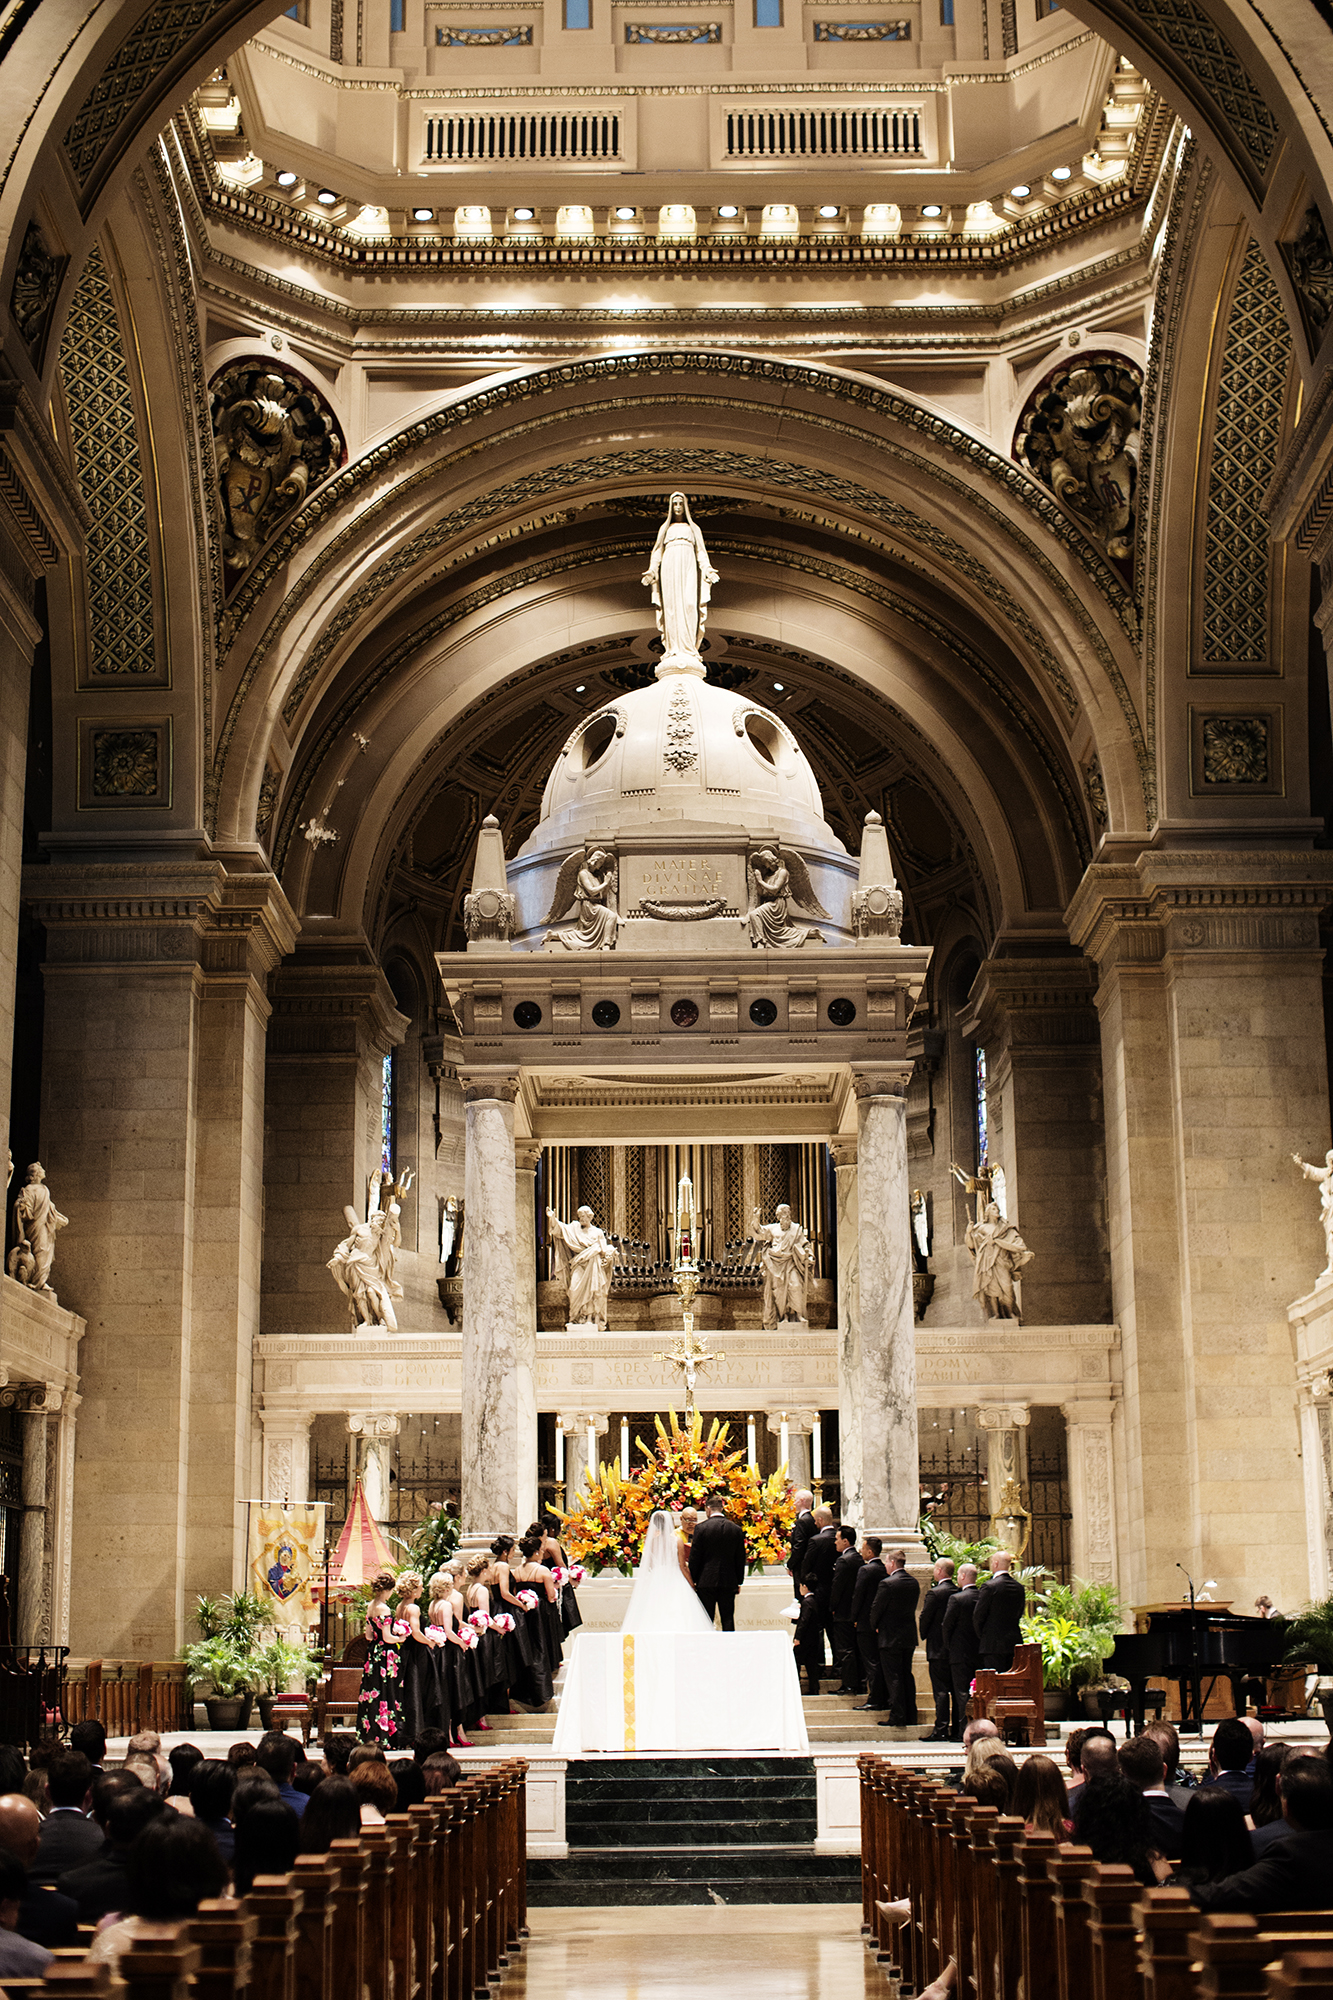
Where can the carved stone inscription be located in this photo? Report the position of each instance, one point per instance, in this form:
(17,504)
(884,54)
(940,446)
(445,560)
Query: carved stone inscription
(684,879)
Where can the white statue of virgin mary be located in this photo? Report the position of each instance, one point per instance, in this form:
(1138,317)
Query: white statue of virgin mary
(681,578)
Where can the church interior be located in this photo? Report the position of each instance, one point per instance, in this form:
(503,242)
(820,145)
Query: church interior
(386,857)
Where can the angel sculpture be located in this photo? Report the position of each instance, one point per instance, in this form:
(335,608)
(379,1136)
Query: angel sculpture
(589,881)
(776,883)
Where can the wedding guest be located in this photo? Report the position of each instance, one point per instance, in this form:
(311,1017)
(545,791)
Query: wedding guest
(1074,1759)
(689,1521)
(266,1843)
(418,1689)
(462,1692)
(1231,1760)
(846,1653)
(45,1916)
(1000,1606)
(1273,1830)
(1180,1782)
(338,1746)
(147,1743)
(993,1781)
(146,1771)
(441,1772)
(817,1565)
(983,1730)
(377,1791)
(428,1742)
(1098,1759)
(1039,1798)
(545,1631)
(253,1788)
(893,1620)
(276,1754)
(933,1607)
(174,1866)
(334,1813)
(1141,1762)
(90,1737)
(211,1791)
(20,1958)
(1113,1819)
(410,1781)
(961,1645)
(808,1639)
(1265,1799)
(241,1754)
(802,1530)
(1215,1841)
(869,1578)
(103,1884)
(184,1760)
(67,1835)
(1295,1872)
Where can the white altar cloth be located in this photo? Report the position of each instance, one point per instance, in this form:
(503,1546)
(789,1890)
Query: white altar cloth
(680,1691)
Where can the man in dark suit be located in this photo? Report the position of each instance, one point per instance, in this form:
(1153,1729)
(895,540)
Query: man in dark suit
(68,1837)
(1142,1763)
(104,1883)
(893,1619)
(869,1578)
(717,1562)
(821,1553)
(802,1531)
(45,1916)
(846,1653)
(1294,1873)
(999,1607)
(960,1644)
(933,1607)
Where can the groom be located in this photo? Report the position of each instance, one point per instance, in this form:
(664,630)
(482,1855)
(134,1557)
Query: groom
(717,1562)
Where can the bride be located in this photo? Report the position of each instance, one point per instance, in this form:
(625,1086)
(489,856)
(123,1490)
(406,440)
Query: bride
(661,1600)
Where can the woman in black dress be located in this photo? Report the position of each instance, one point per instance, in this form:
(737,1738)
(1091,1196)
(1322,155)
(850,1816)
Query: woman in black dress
(552,1557)
(420,1684)
(523,1663)
(379,1710)
(544,1623)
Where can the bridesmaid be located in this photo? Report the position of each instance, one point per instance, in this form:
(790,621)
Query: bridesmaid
(521,1664)
(491,1670)
(465,1661)
(552,1556)
(544,1623)
(421,1687)
(379,1709)
(440,1620)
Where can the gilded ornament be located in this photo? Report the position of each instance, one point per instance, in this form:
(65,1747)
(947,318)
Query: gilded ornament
(1235,750)
(125,763)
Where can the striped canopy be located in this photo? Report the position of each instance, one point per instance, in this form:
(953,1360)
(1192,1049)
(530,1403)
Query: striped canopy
(362,1549)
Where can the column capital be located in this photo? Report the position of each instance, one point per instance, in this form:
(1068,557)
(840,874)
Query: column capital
(1178,902)
(482,1086)
(582,1422)
(1091,1412)
(33,1399)
(332,1002)
(364,1423)
(882,1079)
(290,1423)
(843,1151)
(1003,1416)
(527,1156)
(799,1423)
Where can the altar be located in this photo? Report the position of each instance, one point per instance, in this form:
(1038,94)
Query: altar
(680,1691)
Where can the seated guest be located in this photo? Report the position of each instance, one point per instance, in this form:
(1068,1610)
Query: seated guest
(1263,1837)
(102,1885)
(1040,1799)
(1295,1872)
(45,1916)
(184,1760)
(1231,1760)
(146,1771)
(212,1787)
(308,1777)
(377,1789)
(67,1835)
(410,1779)
(427,1742)
(253,1787)
(1097,1760)
(1073,1758)
(1215,1841)
(1265,1802)
(89,1737)
(174,1866)
(992,1782)
(1114,1821)
(338,1746)
(277,1755)
(13,1770)
(366,1753)
(977,1731)
(1141,1762)
(334,1813)
(19,1957)
(266,1843)
(1179,1781)
(441,1772)
(241,1754)
(147,1743)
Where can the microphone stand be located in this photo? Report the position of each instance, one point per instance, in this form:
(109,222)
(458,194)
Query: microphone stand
(1195,1682)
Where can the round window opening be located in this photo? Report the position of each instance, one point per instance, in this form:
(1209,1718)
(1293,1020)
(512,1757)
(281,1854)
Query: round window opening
(684,1013)
(763,1013)
(842,1012)
(764,737)
(527,1014)
(606,1014)
(597,740)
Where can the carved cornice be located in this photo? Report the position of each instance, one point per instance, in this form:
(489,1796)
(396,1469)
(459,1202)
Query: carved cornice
(877,1082)
(171,913)
(1034,1003)
(323,1009)
(1133,913)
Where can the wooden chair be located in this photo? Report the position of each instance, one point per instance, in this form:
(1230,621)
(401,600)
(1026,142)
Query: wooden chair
(289,1708)
(336,1697)
(1017,1696)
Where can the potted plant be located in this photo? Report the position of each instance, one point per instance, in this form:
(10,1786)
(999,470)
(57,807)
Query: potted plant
(225,1657)
(277,1666)
(1309,1638)
(1075,1626)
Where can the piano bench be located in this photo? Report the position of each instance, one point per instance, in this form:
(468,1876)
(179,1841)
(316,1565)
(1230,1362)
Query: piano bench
(1114,1701)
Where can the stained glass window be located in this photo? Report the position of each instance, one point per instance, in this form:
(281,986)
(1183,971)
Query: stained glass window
(982,1135)
(386,1118)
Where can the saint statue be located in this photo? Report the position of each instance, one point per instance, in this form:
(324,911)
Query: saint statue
(589,883)
(36,1220)
(785,1259)
(681,578)
(585,1260)
(363,1264)
(774,885)
(1323,1180)
(999,1254)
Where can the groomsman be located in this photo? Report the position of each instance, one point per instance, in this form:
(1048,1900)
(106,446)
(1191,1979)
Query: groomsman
(846,1653)
(893,1616)
(802,1530)
(933,1607)
(869,1578)
(960,1643)
(999,1608)
(821,1553)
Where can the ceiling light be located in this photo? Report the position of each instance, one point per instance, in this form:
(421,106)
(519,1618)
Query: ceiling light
(828,213)
(1061,173)
(423,215)
(729,213)
(287,179)
(626,214)
(524,214)
(778,688)
(582,688)
(326,198)
(1021,192)
(932,209)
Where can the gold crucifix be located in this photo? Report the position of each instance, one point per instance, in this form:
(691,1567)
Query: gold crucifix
(689,1354)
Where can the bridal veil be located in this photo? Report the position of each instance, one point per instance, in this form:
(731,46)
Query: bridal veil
(661,1600)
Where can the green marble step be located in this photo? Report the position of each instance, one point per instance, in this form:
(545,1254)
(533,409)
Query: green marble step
(701,1874)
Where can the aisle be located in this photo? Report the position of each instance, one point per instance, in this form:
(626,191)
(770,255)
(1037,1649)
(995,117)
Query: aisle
(795,1952)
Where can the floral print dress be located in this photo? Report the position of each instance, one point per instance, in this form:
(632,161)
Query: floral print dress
(379,1709)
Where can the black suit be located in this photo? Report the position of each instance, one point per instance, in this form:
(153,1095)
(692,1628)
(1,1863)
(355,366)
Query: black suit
(717,1566)
(868,1581)
(99,1886)
(802,1532)
(821,1553)
(66,1841)
(1168,1824)
(893,1617)
(846,1571)
(1293,1874)
(933,1607)
(48,1918)
(1000,1605)
(960,1645)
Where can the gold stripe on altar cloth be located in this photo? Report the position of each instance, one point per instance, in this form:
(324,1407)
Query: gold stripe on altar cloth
(627,1686)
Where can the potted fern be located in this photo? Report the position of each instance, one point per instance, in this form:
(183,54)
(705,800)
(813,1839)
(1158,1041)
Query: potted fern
(1309,1637)
(225,1657)
(1075,1626)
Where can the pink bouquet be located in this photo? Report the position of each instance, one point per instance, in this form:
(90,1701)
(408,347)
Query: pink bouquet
(468,1639)
(502,1622)
(400,1628)
(559,1577)
(480,1621)
(438,1632)
(527,1598)
(576,1574)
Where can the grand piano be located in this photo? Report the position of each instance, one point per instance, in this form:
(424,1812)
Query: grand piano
(1194,1646)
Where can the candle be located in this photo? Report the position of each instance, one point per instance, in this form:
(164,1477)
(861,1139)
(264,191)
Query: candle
(782,1440)
(624,1449)
(559,1449)
(816,1451)
(750,1457)
(592,1449)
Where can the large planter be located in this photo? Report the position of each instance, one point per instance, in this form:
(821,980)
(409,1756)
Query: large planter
(1059,1704)
(227,1711)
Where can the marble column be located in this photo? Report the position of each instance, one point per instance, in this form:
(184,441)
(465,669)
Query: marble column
(527,1158)
(62,1537)
(375,1458)
(1093,1553)
(849,1329)
(890,1480)
(490,1487)
(33,1619)
(1005,1425)
(799,1424)
(285,1479)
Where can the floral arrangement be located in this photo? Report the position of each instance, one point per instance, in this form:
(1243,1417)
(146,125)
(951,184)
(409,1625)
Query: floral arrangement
(480,1621)
(503,1622)
(607,1523)
(527,1598)
(468,1638)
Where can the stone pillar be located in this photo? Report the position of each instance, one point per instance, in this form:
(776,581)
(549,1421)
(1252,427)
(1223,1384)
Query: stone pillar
(1093,1553)
(1005,1425)
(490,1482)
(1214,1059)
(1311,1322)
(285,1477)
(375,1458)
(849,1329)
(62,1535)
(799,1426)
(1037,1022)
(890,1479)
(527,1158)
(33,1617)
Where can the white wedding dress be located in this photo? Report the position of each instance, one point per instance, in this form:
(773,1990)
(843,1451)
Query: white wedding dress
(661,1600)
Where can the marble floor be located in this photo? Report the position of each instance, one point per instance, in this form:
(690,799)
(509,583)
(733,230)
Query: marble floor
(806,1952)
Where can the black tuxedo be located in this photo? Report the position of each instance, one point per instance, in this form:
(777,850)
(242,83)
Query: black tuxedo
(893,1619)
(66,1840)
(717,1566)
(933,1607)
(846,1572)
(821,1553)
(868,1580)
(1293,1874)
(1000,1605)
(960,1645)
(802,1532)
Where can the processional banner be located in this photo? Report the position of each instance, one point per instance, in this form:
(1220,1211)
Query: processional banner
(283,1560)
